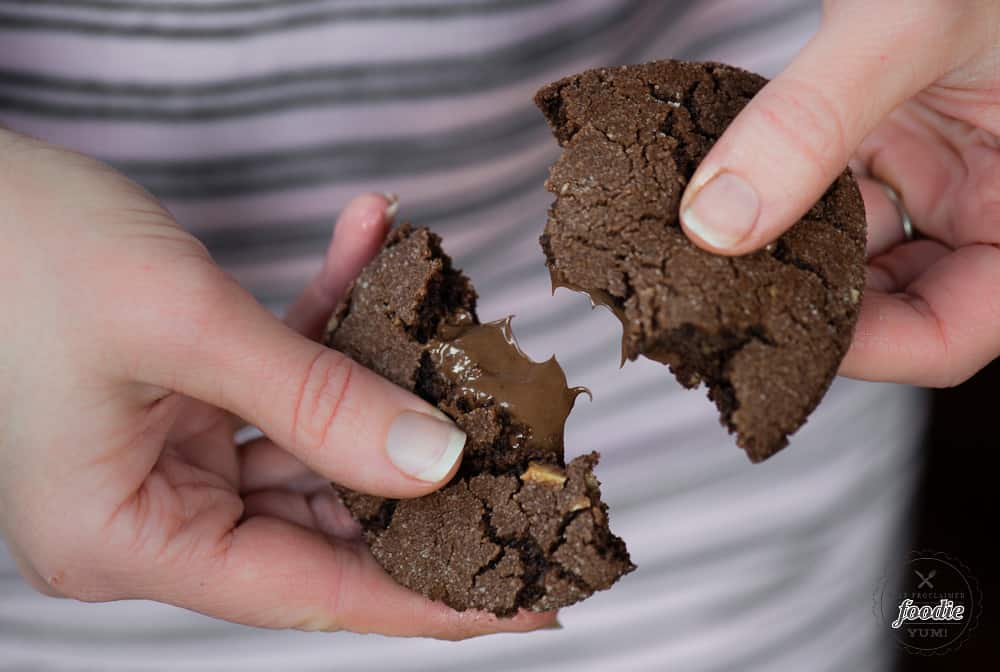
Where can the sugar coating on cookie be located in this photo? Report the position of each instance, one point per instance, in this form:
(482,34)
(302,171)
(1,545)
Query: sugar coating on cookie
(516,527)
(766,331)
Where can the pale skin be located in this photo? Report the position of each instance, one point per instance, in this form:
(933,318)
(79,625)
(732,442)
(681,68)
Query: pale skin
(908,91)
(128,358)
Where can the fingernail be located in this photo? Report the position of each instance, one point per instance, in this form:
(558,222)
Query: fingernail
(392,209)
(554,625)
(723,212)
(424,447)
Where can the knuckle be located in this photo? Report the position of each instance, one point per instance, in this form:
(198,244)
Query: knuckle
(74,579)
(42,586)
(29,572)
(949,374)
(941,366)
(329,615)
(326,383)
(73,559)
(944,378)
(193,299)
(204,287)
(802,116)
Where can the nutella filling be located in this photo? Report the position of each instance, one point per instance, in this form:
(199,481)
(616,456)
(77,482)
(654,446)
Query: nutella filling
(485,362)
(598,297)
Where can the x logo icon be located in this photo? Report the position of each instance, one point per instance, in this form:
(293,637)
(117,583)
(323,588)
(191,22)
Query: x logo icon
(925,580)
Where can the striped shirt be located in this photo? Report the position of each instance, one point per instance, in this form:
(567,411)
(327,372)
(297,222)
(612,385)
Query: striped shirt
(255,120)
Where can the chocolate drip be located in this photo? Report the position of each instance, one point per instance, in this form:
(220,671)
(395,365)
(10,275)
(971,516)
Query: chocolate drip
(598,297)
(485,362)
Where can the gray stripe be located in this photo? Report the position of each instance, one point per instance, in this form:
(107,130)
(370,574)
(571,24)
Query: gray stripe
(873,490)
(342,161)
(375,158)
(651,443)
(482,68)
(248,173)
(340,85)
(692,51)
(861,495)
(277,170)
(309,19)
(208,7)
(199,633)
(760,23)
(528,51)
(501,238)
(443,215)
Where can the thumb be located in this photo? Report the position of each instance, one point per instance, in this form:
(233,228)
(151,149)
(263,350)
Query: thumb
(796,136)
(342,420)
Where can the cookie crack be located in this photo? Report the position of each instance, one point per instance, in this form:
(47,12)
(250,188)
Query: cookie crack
(495,538)
(535,565)
(554,109)
(721,390)
(692,105)
(383,518)
(685,155)
(785,256)
(572,577)
(466,544)
(679,110)
(695,355)
(663,99)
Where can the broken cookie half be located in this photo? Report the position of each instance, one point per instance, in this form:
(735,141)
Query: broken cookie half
(516,527)
(766,331)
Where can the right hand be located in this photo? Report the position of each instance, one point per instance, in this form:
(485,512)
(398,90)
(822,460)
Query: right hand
(911,90)
(128,358)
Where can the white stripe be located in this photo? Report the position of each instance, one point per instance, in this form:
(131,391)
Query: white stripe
(161,61)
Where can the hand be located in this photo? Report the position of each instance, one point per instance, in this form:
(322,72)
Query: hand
(911,89)
(127,359)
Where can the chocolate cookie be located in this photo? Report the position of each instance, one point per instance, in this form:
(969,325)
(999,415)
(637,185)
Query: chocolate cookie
(516,527)
(766,331)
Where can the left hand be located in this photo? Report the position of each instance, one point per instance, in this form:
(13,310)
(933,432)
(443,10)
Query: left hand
(911,90)
(128,358)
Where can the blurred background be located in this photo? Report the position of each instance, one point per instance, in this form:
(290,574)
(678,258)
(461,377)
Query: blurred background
(955,506)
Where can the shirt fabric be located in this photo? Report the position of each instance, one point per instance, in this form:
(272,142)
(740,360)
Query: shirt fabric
(256,120)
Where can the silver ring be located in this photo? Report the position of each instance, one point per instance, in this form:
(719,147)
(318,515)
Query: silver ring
(908,231)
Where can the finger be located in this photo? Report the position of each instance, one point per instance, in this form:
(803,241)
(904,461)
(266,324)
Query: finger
(266,466)
(796,136)
(939,332)
(30,575)
(895,270)
(359,234)
(321,511)
(933,164)
(334,517)
(203,434)
(273,574)
(885,225)
(338,418)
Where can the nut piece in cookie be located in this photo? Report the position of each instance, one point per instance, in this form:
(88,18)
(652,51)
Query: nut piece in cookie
(544,473)
(765,331)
